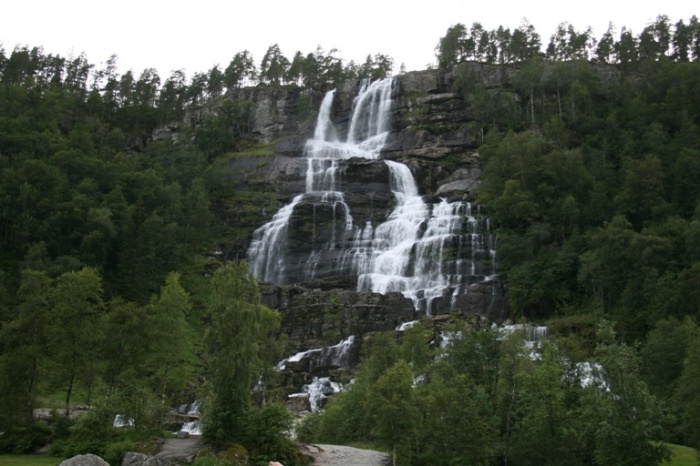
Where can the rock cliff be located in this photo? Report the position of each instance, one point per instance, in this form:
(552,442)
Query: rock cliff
(432,134)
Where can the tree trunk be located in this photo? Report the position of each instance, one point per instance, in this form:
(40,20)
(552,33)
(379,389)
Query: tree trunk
(68,393)
(532,103)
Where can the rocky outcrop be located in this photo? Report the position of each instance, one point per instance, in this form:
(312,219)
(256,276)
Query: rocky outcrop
(176,451)
(84,460)
(137,459)
(280,113)
(314,318)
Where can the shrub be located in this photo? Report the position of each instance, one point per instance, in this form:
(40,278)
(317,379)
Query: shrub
(114,452)
(306,430)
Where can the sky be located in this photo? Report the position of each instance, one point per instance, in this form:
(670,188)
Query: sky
(196,35)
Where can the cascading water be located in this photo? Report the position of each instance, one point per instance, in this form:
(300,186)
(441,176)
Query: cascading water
(336,356)
(425,250)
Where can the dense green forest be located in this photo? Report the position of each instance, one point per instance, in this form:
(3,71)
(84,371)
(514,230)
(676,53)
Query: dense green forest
(111,294)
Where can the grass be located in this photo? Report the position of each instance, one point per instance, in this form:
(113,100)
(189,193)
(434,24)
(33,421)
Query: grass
(29,460)
(255,150)
(680,456)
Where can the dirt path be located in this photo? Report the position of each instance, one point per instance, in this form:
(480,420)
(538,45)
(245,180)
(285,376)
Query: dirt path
(338,455)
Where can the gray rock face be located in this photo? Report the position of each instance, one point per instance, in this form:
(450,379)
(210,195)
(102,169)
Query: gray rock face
(319,242)
(317,318)
(460,189)
(278,113)
(84,460)
(137,459)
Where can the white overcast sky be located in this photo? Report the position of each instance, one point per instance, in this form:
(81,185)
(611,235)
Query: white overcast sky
(196,35)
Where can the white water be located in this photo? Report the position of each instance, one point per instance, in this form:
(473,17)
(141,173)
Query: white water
(317,391)
(331,356)
(192,428)
(419,250)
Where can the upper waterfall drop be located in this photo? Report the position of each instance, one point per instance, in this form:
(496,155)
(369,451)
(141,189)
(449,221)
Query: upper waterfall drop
(393,240)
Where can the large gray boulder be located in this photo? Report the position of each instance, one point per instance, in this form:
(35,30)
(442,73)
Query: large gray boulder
(137,459)
(85,460)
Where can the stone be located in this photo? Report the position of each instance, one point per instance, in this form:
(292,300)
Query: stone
(459,190)
(419,82)
(84,460)
(138,459)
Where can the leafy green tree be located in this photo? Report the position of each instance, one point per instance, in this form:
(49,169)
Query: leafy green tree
(477,355)
(240,71)
(641,197)
(605,49)
(128,347)
(525,43)
(273,67)
(171,99)
(395,415)
(215,82)
(529,82)
(74,331)
(345,418)
(457,419)
(545,432)
(172,354)
(295,73)
(626,47)
(605,266)
(451,48)
(222,131)
(379,354)
(655,39)
(663,354)
(266,429)
(23,351)
(629,428)
(685,396)
(240,324)
(415,348)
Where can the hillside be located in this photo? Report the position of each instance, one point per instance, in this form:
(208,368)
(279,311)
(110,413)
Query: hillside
(388,222)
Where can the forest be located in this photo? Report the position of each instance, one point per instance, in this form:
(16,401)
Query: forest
(114,294)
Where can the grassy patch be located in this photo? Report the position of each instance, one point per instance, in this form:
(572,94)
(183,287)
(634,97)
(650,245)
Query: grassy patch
(256,150)
(29,460)
(683,456)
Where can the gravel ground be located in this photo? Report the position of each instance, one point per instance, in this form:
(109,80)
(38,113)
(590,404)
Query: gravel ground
(338,455)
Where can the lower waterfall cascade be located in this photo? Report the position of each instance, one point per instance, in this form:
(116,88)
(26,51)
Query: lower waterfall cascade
(430,250)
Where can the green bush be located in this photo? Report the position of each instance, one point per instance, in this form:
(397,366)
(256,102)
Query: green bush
(114,452)
(89,433)
(25,440)
(307,428)
(209,460)
(265,428)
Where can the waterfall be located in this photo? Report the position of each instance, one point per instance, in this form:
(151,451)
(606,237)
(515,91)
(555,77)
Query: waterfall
(317,392)
(336,356)
(428,251)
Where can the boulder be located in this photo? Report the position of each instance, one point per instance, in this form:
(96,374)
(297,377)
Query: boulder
(458,190)
(84,460)
(137,459)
